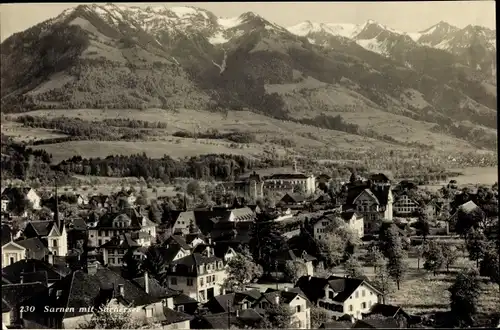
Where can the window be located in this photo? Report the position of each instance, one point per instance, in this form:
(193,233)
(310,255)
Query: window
(363,305)
(106,233)
(330,294)
(201,281)
(54,243)
(173,280)
(371,293)
(201,294)
(213,278)
(99,242)
(189,282)
(119,260)
(209,278)
(363,293)
(299,309)
(180,308)
(350,308)
(357,294)
(111,260)
(369,303)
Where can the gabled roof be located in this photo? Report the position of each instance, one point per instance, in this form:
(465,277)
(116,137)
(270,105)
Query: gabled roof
(128,215)
(369,193)
(297,198)
(243,214)
(386,310)
(177,240)
(171,316)
(16,294)
(379,177)
(123,241)
(188,265)
(155,288)
(220,303)
(15,270)
(296,255)
(16,191)
(35,247)
(380,192)
(286,296)
(348,214)
(43,228)
(313,287)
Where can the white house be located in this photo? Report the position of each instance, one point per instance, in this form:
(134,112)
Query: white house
(114,224)
(12,193)
(12,253)
(287,182)
(53,234)
(340,295)
(352,220)
(404,205)
(294,299)
(197,276)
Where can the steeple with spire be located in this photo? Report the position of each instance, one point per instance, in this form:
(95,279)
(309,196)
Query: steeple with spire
(56,211)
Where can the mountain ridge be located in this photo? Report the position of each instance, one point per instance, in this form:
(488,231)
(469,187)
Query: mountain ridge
(128,57)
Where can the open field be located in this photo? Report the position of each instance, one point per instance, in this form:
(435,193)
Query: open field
(266,128)
(173,147)
(20,133)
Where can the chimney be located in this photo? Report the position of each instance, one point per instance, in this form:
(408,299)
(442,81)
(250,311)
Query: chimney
(121,290)
(50,258)
(277,298)
(21,279)
(237,313)
(146,282)
(92,268)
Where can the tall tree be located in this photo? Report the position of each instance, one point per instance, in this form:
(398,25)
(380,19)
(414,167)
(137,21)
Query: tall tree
(154,263)
(476,244)
(464,297)
(390,240)
(490,265)
(422,225)
(375,257)
(397,267)
(319,316)
(331,250)
(241,271)
(295,269)
(266,240)
(131,266)
(383,281)
(450,254)
(433,257)
(353,268)
(277,317)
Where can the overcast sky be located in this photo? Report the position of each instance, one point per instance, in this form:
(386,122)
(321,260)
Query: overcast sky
(403,16)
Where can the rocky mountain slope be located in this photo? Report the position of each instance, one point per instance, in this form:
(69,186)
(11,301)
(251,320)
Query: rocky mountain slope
(108,56)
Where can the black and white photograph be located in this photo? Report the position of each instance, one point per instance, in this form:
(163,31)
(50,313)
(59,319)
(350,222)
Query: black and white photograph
(249,165)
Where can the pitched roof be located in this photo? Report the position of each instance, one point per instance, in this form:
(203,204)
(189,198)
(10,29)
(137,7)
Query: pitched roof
(313,287)
(130,214)
(379,177)
(16,294)
(155,288)
(381,193)
(219,304)
(468,207)
(387,323)
(286,296)
(83,289)
(287,176)
(171,316)
(35,247)
(123,241)
(15,270)
(42,228)
(179,240)
(297,198)
(189,265)
(385,310)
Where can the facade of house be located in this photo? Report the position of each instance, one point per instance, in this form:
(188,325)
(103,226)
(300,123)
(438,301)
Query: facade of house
(404,205)
(373,202)
(53,233)
(352,219)
(12,253)
(340,295)
(297,256)
(287,182)
(114,224)
(292,199)
(199,277)
(294,299)
(12,193)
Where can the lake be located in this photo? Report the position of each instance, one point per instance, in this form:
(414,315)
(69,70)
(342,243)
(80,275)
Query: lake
(471,176)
